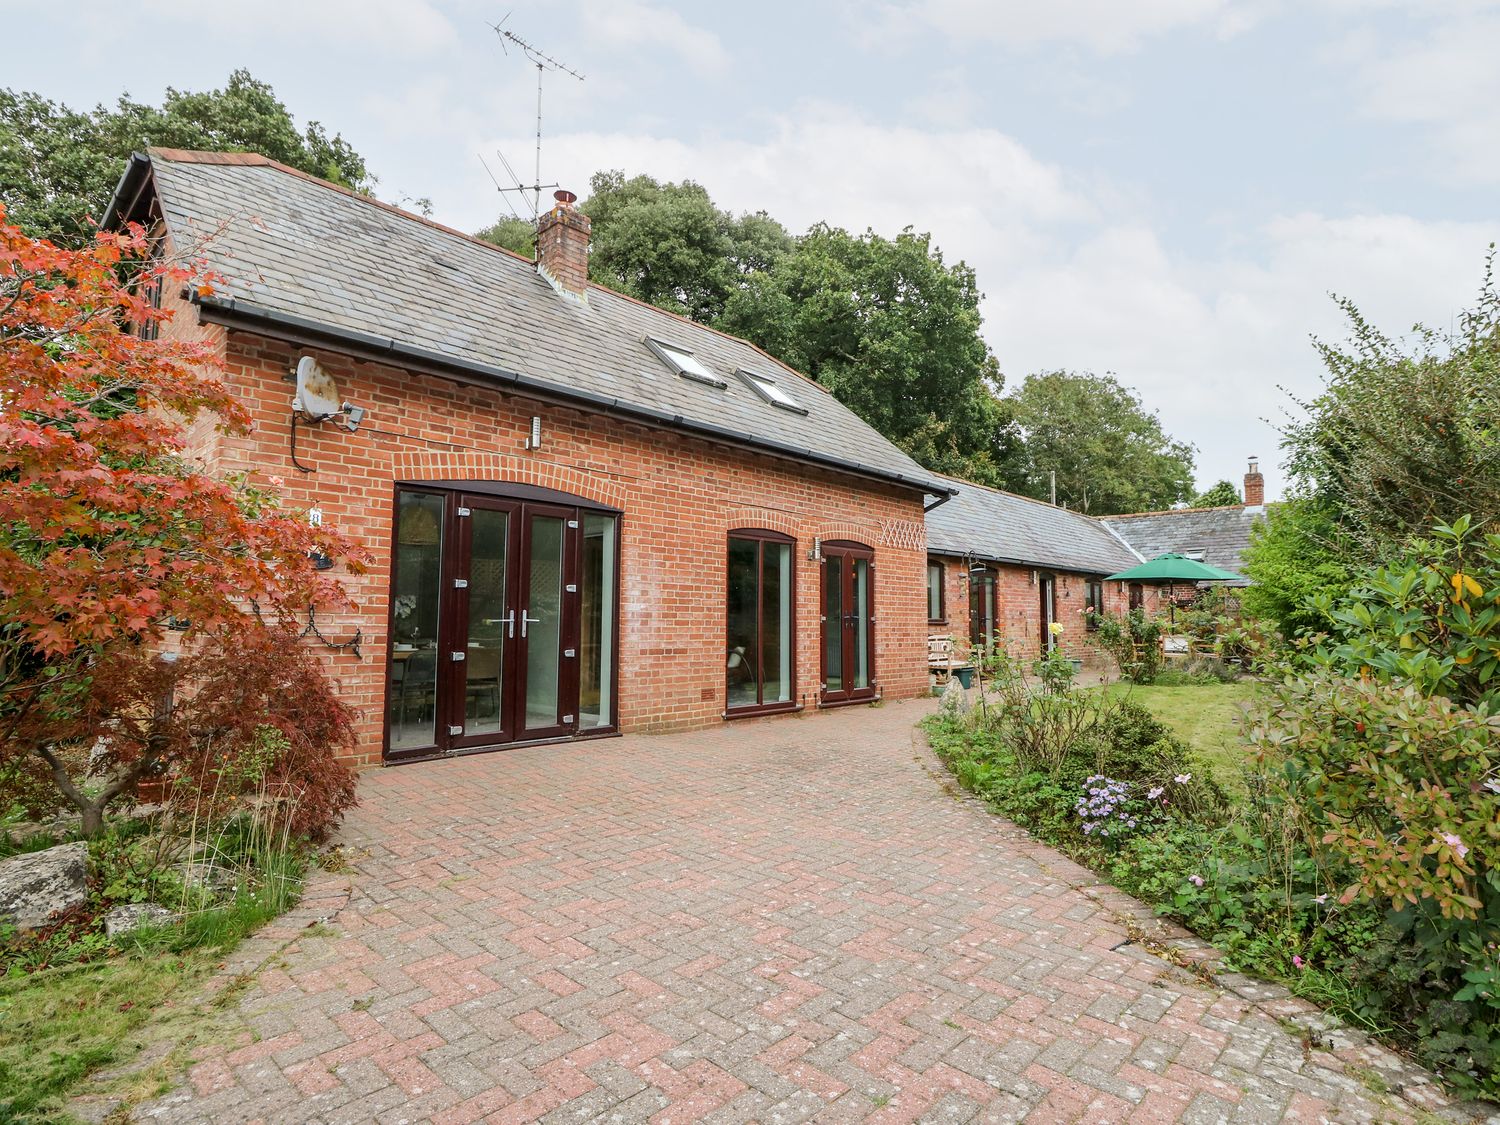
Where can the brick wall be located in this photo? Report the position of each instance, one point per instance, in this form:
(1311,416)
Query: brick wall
(679,495)
(1018,609)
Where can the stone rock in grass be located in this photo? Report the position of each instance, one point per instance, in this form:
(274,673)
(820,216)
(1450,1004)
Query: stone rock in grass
(133,915)
(35,885)
(955,700)
(202,874)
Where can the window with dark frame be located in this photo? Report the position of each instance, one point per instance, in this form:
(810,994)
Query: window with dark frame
(982,607)
(771,391)
(760,651)
(685,363)
(1093,603)
(151,291)
(935,607)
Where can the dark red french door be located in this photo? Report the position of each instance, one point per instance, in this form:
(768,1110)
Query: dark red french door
(509,623)
(490,656)
(1047,587)
(848,604)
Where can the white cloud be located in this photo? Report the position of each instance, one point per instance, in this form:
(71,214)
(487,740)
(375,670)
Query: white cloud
(1445,80)
(1209,342)
(1103,26)
(640,28)
(1073,278)
(396,26)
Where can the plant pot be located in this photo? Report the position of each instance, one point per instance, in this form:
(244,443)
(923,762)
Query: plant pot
(965,677)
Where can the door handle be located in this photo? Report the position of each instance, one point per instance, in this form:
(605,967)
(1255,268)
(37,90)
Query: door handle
(527,619)
(510,623)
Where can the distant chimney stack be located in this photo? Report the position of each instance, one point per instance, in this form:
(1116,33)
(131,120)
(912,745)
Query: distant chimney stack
(562,247)
(1255,485)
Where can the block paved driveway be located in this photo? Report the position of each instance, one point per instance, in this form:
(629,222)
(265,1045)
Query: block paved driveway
(775,921)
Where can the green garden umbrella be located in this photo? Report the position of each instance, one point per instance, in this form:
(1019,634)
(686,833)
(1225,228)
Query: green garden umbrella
(1175,568)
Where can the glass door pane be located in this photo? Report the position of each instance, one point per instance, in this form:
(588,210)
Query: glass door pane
(860,626)
(776,622)
(489,622)
(415,615)
(540,617)
(741,664)
(982,609)
(1049,614)
(833,623)
(596,644)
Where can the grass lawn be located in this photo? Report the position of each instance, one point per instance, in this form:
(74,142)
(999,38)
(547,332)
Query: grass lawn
(100,1005)
(60,1025)
(1206,716)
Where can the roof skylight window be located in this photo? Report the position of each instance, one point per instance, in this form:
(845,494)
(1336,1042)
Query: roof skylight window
(685,363)
(771,390)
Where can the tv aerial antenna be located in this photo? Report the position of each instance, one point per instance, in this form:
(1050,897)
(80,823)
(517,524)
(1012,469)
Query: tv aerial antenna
(543,63)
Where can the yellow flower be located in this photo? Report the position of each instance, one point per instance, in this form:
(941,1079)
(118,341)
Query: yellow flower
(1056,628)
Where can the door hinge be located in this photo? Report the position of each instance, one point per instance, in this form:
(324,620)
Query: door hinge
(568,652)
(567,719)
(455,730)
(464,512)
(458,655)
(572,587)
(460,583)
(572,523)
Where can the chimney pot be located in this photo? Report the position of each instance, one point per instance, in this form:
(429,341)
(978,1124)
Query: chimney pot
(562,248)
(1255,485)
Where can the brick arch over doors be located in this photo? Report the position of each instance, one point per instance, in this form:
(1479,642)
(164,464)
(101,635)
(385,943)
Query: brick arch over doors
(446,465)
(867,534)
(767,519)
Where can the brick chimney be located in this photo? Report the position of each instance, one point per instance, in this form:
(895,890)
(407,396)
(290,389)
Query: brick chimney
(562,248)
(1255,485)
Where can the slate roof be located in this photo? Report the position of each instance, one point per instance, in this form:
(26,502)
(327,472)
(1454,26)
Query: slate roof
(303,251)
(1222,534)
(1003,527)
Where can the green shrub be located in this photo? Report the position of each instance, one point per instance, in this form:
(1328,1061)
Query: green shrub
(1385,737)
(1134,641)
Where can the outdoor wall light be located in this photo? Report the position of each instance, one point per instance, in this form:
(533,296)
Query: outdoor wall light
(816,554)
(534,438)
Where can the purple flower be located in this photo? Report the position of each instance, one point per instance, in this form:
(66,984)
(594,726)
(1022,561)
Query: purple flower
(1320,899)
(1154,793)
(1183,778)
(1196,880)
(1298,962)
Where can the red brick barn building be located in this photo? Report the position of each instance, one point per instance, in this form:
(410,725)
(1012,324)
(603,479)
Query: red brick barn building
(586,515)
(1002,568)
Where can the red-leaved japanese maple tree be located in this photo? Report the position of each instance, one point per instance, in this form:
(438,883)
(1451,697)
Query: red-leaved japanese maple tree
(110,539)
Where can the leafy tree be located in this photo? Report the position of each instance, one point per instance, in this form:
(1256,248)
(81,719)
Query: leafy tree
(110,541)
(1296,554)
(893,331)
(1221,495)
(1109,452)
(512,233)
(1404,435)
(59,166)
(668,244)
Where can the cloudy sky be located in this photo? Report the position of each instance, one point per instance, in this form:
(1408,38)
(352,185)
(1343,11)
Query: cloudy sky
(1165,189)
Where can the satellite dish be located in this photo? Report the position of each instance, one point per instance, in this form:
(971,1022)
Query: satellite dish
(317,395)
